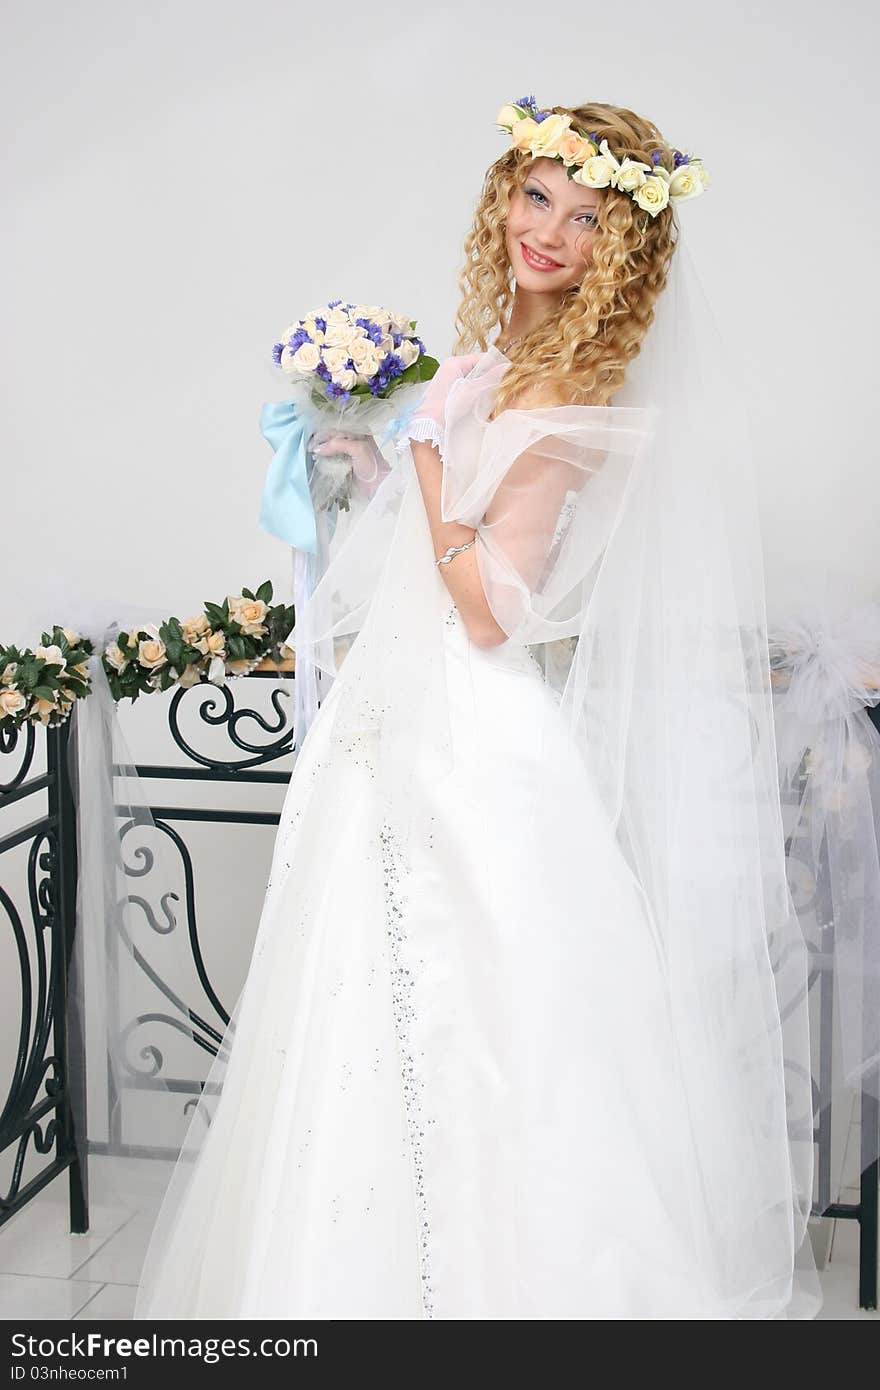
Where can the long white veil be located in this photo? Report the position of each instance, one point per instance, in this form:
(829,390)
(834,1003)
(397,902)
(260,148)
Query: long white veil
(622,545)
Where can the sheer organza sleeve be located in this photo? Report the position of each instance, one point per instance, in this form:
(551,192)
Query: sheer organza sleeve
(428,420)
(542,488)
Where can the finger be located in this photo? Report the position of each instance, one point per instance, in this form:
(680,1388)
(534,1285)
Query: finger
(333,444)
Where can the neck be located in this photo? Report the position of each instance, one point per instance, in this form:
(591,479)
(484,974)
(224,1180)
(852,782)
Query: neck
(530,309)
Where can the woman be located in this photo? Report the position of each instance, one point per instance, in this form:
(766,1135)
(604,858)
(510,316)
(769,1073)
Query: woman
(511,1044)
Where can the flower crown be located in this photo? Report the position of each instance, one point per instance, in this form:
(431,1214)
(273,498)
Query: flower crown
(590,162)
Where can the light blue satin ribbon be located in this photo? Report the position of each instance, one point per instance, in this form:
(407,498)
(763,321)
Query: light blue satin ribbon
(286,510)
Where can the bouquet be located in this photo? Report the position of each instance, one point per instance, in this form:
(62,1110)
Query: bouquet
(354,371)
(353,350)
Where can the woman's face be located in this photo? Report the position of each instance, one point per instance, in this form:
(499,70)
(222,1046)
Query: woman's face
(551,215)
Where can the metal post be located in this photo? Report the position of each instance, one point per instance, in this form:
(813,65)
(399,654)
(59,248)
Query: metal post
(69,1041)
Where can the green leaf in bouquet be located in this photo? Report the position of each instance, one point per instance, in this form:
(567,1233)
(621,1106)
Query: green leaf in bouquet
(427,367)
(409,374)
(43,692)
(265,591)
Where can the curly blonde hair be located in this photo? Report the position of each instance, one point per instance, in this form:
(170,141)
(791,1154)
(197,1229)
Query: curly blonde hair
(581,354)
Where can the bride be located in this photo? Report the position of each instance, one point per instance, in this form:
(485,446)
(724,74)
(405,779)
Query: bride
(523,1034)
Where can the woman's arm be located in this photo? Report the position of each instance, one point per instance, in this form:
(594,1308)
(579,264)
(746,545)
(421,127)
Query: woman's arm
(461,576)
(519,522)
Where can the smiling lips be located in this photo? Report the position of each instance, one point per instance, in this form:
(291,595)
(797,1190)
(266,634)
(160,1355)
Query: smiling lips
(535,261)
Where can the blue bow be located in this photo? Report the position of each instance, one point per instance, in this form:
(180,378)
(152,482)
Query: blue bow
(286,510)
(398,424)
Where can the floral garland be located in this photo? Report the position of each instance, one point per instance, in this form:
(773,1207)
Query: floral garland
(589,160)
(40,685)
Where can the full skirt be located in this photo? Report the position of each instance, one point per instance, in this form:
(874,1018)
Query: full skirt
(453,1089)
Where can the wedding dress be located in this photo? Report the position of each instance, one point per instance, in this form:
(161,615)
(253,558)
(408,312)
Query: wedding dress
(419,1056)
(521,1030)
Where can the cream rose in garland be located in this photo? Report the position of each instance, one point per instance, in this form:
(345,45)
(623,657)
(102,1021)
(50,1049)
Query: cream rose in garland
(227,639)
(41,684)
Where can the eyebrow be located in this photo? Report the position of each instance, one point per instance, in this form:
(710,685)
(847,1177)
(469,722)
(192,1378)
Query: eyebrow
(591,207)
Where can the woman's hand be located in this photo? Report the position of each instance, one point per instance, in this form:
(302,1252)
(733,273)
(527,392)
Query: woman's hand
(367,461)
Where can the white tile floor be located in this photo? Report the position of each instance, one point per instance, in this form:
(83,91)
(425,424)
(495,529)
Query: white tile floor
(45,1272)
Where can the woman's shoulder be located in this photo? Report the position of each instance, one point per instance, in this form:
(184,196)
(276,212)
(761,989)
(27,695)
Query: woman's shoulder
(546,393)
(460,363)
(537,394)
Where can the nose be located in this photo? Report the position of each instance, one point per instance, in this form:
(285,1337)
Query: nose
(549,233)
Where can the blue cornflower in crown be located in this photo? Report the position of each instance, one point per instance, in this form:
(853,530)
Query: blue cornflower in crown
(589,161)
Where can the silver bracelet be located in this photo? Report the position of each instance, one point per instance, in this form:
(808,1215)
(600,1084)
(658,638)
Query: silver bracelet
(452,550)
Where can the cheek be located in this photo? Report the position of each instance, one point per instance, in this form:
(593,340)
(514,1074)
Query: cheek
(518,217)
(583,248)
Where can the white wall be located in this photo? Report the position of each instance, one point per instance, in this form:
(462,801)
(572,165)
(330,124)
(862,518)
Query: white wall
(182,178)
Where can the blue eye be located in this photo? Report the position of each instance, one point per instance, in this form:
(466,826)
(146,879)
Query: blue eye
(536,193)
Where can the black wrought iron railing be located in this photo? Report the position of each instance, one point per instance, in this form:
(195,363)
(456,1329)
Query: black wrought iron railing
(36,1118)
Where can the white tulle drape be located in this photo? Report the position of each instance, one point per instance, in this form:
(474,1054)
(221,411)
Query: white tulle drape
(825,652)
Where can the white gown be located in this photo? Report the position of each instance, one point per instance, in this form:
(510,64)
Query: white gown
(455,1089)
(412,1073)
